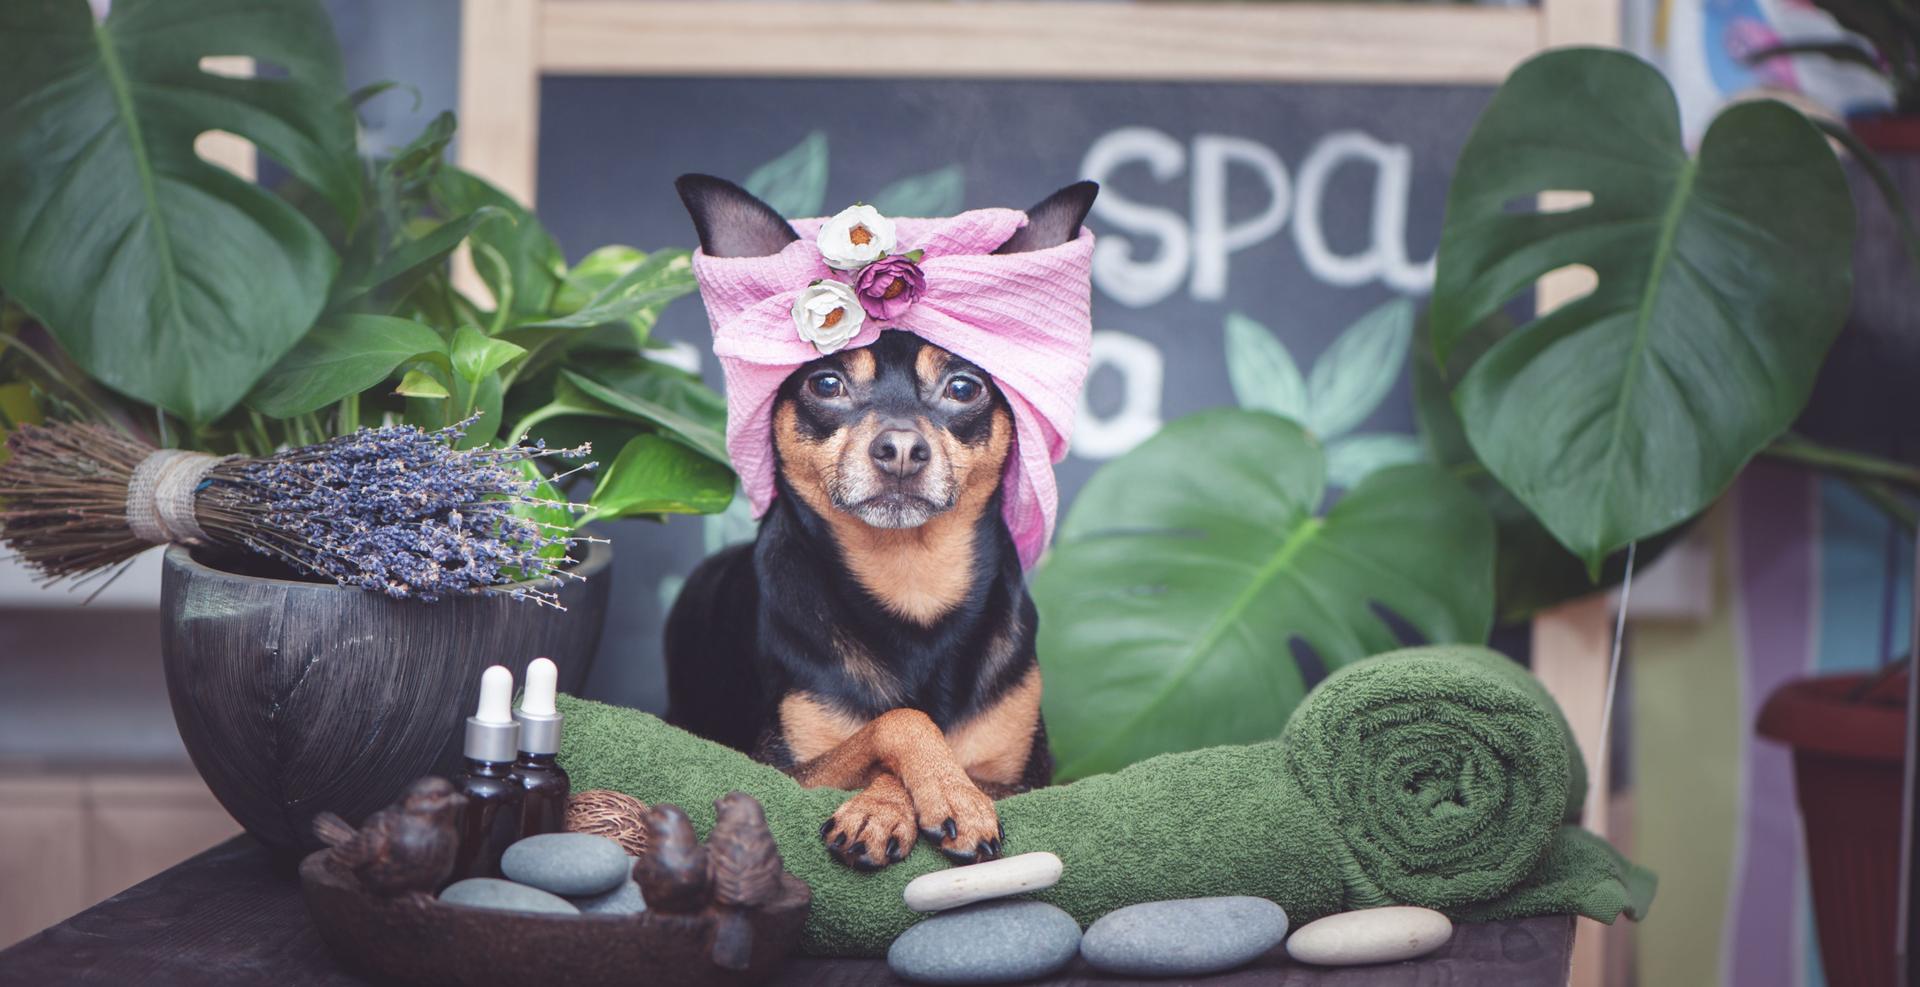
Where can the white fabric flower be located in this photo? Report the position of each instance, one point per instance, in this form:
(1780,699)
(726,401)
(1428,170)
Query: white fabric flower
(827,314)
(856,237)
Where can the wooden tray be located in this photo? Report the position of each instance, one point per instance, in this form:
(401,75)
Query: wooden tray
(418,940)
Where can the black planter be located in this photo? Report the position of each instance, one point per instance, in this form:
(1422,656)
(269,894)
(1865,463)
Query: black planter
(295,698)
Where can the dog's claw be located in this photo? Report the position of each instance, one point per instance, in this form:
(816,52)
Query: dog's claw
(893,847)
(950,828)
(826,827)
(839,840)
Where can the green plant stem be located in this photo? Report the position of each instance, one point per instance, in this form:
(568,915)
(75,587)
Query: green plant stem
(1888,500)
(53,373)
(350,414)
(1877,171)
(1793,449)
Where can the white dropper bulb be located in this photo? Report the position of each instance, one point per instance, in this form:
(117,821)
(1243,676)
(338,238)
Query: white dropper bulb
(496,696)
(543,680)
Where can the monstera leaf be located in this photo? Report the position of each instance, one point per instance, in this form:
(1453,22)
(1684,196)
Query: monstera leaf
(1722,280)
(165,277)
(795,183)
(1190,568)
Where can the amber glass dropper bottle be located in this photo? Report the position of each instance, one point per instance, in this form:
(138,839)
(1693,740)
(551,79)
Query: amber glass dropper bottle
(543,783)
(491,819)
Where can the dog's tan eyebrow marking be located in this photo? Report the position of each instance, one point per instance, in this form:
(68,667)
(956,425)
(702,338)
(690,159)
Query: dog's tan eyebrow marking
(929,364)
(859,365)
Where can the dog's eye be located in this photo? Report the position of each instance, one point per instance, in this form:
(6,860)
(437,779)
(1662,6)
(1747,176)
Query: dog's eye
(827,386)
(964,389)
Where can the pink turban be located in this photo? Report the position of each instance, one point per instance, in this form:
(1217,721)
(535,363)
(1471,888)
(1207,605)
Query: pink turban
(1024,318)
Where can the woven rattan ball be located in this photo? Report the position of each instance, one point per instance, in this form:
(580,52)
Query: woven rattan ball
(614,815)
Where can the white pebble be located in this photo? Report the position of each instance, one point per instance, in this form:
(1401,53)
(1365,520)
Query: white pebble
(1371,935)
(956,886)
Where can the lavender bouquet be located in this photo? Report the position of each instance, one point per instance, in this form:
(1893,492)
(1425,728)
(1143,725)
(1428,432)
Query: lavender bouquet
(397,510)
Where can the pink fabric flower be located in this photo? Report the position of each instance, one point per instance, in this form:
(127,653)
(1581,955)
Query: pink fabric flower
(889,286)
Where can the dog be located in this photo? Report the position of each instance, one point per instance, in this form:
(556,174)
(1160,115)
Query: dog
(877,633)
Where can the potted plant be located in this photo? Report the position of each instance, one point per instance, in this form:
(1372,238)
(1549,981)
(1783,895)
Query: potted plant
(1179,613)
(1848,734)
(153,293)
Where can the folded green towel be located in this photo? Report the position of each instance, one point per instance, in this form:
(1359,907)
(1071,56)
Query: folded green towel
(1435,776)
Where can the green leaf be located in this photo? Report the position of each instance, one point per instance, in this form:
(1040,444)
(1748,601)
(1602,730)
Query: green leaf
(554,517)
(1358,371)
(936,193)
(1531,571)
(419,254)
(795,183)
(639,293)
(1262,372)
(669,399)
(655,476)
(339,358)
(531,266)
(1722,281)
(1352,458)
(1189,566)
(167,278)
(476,355)
(418,383)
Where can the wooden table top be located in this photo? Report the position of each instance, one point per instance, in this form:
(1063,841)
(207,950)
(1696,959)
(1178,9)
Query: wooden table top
(234,915)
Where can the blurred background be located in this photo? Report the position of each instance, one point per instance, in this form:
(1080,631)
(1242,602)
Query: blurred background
(1272,211)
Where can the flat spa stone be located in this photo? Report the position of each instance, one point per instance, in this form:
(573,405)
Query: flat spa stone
(1184,938)
(567,863)
(1008,876)
(623,900)
(995,942)
(1371,935)
(506,896)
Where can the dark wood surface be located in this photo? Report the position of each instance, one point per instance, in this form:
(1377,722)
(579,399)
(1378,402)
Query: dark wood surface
(234,915)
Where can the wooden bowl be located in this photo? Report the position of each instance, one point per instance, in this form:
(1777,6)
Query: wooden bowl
(414,939)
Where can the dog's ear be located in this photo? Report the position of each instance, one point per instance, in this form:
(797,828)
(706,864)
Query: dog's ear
(1054,221)
(730,221)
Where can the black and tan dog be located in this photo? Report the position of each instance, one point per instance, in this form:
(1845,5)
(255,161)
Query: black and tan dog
(877,634)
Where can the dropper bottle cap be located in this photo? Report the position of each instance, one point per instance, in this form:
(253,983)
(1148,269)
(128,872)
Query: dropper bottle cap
(539,720)
(492,734)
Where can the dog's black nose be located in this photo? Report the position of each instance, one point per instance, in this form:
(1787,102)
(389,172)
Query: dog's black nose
(900,451)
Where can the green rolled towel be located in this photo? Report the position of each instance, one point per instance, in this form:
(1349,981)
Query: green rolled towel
(1438,776)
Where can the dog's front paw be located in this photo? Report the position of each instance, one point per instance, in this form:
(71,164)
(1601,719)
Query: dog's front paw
(873,829)
(958,818)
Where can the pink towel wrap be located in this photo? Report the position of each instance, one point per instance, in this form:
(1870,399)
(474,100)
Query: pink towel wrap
(1024,318)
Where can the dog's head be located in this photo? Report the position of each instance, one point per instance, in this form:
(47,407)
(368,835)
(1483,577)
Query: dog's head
(894,434)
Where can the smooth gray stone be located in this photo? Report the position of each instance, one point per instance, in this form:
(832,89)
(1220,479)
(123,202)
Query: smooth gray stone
(623,900)
(1184,938)
(567,863)
(491,892)
(993,942)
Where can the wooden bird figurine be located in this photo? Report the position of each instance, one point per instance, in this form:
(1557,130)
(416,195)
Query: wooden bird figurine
(408,846)
(746,870)
(673,873)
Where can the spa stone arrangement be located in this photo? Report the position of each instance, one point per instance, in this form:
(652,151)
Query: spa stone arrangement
(983,934)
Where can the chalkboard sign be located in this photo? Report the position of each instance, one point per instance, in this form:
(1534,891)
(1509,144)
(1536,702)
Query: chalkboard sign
(1244,228)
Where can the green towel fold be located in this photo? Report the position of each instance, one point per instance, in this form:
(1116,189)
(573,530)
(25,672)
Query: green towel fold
(1436,776)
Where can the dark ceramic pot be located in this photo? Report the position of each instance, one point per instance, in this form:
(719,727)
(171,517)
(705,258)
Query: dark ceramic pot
(296,697)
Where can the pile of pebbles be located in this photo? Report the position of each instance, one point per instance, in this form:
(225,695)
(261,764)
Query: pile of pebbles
(984,935)
(556,873)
